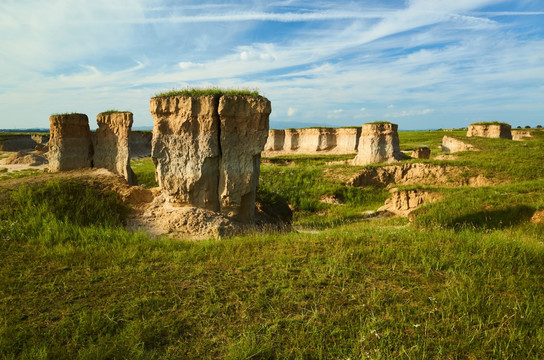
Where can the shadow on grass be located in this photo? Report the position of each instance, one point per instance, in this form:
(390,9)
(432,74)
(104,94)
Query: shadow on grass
(494,219)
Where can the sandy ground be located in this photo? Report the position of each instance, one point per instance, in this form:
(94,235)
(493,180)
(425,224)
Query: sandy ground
(19,167)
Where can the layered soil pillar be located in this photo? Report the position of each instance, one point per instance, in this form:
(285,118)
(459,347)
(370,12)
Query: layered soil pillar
(185,149)
(111,144)
(503,131)
(379,142)
(70,144)
(244,131)
(207,149)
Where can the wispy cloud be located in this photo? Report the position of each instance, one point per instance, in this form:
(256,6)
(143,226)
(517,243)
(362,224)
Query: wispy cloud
(405,113)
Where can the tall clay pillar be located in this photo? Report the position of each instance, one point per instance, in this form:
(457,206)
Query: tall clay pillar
(244,131)
(70,144)
(207,150)
(111,144)
(185,148)
(379,142)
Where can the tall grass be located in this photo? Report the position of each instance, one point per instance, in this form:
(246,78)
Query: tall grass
(303,184)
(145,172)
(375,290)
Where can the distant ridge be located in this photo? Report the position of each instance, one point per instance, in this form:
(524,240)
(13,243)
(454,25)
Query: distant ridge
(31,130)
(142,128)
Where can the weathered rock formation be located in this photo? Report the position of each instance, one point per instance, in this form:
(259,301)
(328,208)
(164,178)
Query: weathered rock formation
(453,145)
(207,149)
(421,153)
(402,203)
(111,144)
(379,142)
(521,135)
(312,141)
(503,131)
(70,144)
(417,174)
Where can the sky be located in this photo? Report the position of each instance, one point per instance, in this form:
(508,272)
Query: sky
(422,64)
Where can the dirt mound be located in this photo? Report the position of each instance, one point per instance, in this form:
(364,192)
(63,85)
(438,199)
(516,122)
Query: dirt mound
(538,217)
(417,174)
(24,158)
(402,203)
(160,217)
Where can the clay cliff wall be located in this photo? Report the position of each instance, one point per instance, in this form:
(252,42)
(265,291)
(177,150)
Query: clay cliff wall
(503,131)
(312,141)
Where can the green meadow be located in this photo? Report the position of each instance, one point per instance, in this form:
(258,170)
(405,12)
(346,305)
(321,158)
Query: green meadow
(463,280)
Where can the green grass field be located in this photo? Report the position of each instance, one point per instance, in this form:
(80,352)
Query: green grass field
(464,280)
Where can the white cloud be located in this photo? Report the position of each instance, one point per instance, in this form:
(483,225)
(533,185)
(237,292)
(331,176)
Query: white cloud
(335,114)
(291,111)
(187,65)
(363,109)
(405,113)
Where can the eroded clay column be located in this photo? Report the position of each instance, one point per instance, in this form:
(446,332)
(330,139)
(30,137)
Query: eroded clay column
(70,144)
(244,131)
(379,142)
(185,148)
(111,144)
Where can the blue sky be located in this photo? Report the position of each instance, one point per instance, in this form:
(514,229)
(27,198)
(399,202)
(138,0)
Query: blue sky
(423,64)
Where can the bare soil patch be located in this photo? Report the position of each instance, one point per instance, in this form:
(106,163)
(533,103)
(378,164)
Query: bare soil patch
(418,174)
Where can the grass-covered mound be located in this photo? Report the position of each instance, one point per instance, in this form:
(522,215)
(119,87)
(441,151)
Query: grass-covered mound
(207,91)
